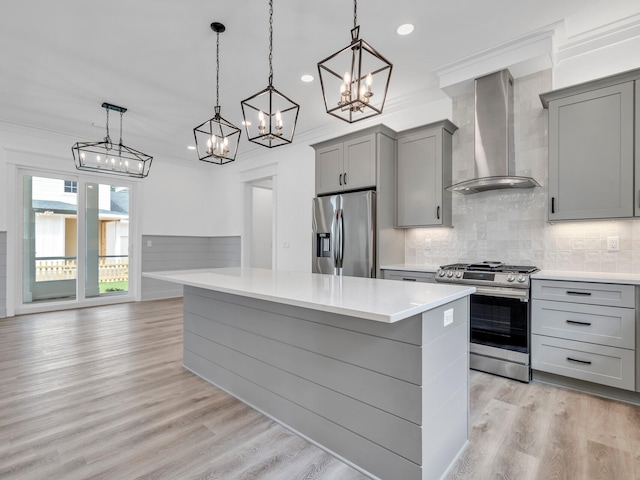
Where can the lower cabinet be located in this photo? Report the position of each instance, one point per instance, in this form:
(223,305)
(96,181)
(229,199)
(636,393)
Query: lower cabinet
(585,331)
(410,276)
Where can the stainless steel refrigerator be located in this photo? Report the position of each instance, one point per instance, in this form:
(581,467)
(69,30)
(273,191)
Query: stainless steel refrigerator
(344,234)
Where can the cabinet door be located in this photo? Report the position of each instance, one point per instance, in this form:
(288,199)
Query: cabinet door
(410,276)
(419,176)
(591,154)
(360,162)
(637,187)
(329,171)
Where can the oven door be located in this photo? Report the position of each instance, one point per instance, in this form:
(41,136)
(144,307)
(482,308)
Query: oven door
(499,323)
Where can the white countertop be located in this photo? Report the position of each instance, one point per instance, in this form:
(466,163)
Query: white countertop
(410,267)
(600,277)
(373,299)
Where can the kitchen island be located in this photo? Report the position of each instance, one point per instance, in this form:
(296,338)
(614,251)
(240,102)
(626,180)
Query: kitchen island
(373,371)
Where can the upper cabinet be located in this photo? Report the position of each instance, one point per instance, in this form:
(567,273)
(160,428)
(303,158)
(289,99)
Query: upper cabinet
(349,162)
(591,149)
(423,171)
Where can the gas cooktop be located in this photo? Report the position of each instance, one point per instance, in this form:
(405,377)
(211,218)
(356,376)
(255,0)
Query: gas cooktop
(487,273)
(488,266)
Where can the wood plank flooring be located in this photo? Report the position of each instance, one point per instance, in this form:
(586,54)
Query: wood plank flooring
(100,393)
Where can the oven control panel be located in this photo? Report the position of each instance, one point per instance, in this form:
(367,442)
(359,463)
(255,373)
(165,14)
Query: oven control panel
(508,279)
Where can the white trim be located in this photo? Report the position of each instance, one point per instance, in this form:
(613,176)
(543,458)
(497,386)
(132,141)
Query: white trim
(601,37)
(525,55)
(15,303)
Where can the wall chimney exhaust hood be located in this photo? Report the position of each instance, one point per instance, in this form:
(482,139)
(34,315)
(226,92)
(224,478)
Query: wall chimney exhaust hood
(494,157)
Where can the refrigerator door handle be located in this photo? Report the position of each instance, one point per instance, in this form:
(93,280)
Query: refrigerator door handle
(341,236)
(334,239)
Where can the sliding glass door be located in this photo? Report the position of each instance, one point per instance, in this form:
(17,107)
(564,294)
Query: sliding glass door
(75,239)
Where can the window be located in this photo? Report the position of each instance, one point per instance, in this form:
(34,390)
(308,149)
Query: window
(70,186)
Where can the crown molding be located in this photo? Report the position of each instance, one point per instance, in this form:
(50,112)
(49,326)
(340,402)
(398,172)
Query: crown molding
(525,55)
(610,34)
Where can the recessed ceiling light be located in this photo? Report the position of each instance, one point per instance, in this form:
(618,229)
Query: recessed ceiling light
(191,147)
(405,29)
(307,78)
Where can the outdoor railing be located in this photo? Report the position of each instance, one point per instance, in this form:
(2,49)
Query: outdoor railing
(111,268)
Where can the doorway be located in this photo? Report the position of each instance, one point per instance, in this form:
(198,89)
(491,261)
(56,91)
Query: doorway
(75,242)
(259,225)
(262,224)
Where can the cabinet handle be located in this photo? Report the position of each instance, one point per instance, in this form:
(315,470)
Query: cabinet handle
(345,178)
(408,279)
(553,204)
(438,212)
(584,362)
(575,322)
(340,179)
(580,294)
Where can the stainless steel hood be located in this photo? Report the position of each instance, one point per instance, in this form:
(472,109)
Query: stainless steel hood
(494,157)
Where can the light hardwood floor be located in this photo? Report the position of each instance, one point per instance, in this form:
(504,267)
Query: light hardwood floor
(100,393)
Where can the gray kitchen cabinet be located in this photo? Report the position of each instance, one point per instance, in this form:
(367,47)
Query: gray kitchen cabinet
(591,149)
(423,170)
(637,152)
(585,331)
(348,164)
(409,276)
(365,159)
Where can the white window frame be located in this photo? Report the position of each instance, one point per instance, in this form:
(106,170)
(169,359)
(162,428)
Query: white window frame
(15,268)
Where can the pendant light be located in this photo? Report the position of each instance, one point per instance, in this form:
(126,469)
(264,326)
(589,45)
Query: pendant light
(217,139)
(269,116)
(104,157)
(355,80)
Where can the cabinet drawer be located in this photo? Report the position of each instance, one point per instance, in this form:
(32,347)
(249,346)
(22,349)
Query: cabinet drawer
(424,277)
(593,363)
(611,326)
(584,292)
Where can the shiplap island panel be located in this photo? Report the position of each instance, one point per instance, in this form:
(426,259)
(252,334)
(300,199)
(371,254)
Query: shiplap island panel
(364,368)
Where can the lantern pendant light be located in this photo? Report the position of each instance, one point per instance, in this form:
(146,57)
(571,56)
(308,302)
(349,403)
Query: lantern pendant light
(269,116)
(105,157)
(217,139)
(355,80)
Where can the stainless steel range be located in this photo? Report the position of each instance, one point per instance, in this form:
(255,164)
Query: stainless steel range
(499,315)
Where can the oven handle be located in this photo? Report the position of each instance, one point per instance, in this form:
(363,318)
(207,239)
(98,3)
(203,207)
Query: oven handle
(521,294)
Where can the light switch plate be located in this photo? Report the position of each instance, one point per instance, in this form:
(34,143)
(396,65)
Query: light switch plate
(613,244)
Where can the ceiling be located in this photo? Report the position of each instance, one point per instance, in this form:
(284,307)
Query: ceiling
(60,60)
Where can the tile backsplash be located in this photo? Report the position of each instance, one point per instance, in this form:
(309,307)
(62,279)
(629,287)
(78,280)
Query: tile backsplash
(510,225)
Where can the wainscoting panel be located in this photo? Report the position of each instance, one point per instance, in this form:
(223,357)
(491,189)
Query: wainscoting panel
(3,274)
(167,252)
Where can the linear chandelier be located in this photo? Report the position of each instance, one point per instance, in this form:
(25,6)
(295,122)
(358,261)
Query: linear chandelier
(347,78)
(217,139)
(269,116)
(105,157)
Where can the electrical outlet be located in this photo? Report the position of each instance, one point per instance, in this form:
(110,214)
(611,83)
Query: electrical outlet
(149,243)
(286,244)
(613,244)
(448,317)
(427,244)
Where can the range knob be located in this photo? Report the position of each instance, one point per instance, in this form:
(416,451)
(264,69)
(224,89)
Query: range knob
(522,278)
(441,273)
(458,274)
(450,274)
(511,277)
